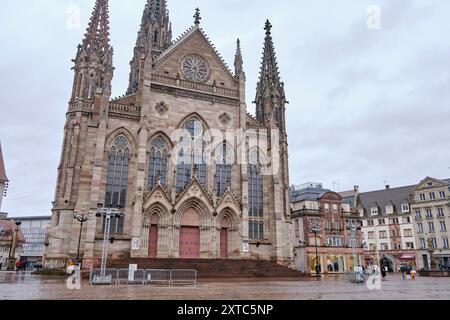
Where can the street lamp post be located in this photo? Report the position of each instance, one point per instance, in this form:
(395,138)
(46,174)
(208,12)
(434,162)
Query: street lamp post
(82,217)
(315,228)
(353,226)
(12,249)
(107,214)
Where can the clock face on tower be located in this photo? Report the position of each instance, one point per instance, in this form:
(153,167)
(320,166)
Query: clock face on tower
(195,68)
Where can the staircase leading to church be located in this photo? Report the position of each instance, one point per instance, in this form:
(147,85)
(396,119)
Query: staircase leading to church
(215,268)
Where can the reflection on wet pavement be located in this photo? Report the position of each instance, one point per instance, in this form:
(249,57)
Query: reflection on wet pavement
(25,286)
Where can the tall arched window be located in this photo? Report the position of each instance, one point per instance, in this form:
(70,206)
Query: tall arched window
(255,198)
(156,36)
(224,162)
(191,156)
(157,163)
(117,178)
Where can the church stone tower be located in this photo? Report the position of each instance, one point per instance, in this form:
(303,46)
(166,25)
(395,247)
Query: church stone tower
(175,152)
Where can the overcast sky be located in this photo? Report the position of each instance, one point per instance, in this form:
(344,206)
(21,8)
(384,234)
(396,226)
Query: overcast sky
(367,106)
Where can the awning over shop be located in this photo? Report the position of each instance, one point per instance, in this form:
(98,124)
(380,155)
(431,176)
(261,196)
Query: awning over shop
(408,256)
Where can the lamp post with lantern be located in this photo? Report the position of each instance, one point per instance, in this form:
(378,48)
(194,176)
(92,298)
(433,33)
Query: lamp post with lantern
(315,228)
(82,217)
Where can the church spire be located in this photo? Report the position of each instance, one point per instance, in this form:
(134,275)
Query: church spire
(269,73)
(97,33)
(154,36)
(94,60)
(238,61)
(156,29)
(270,96)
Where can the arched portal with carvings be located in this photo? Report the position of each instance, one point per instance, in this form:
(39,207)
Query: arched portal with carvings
(228,234)
(154,237)
(189,247)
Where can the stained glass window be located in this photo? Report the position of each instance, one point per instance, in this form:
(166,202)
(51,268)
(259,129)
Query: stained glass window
(224,163)
(117,179)
(157,163)
(191,157)
(255,197)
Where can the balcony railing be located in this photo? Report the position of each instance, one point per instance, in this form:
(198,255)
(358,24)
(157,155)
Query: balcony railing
(81,106)
(124,110)
(178,82)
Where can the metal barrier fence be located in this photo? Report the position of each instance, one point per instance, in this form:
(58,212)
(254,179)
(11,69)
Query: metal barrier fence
(184,277)
(130,276)
(355,277)
(144,277)
(95,276)
(158,276)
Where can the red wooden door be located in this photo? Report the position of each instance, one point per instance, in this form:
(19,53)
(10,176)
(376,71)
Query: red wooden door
(153,242)
(224,243)
(189,242)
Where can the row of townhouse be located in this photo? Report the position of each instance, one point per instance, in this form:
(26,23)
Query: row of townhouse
(405,225)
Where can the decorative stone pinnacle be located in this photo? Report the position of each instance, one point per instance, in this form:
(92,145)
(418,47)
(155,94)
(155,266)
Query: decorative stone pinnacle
(238,61)
(197,17)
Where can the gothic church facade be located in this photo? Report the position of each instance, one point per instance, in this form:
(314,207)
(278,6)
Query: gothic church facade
(174,154)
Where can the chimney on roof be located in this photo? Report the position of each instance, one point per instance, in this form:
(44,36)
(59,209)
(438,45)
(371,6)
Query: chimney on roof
(388,187)
(356,188)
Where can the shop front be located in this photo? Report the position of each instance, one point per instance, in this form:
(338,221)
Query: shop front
(313,260)
(408,259)
(335,263)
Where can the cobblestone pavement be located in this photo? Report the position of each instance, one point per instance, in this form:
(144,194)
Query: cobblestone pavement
(14,286)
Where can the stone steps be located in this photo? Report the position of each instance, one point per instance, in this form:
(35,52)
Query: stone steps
(213,268)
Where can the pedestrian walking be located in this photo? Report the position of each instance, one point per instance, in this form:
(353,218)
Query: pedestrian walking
(408,272)
(383,273)
(18,265)
(403,271)
(413,274)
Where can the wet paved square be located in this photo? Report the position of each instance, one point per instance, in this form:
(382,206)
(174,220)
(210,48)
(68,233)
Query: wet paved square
(30,287)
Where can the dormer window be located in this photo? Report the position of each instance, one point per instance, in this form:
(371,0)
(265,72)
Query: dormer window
(374,211)
(405,208)
(389,209)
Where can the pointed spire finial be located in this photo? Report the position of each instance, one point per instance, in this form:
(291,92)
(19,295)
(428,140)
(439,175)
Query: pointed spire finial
(197,17)
(268,27)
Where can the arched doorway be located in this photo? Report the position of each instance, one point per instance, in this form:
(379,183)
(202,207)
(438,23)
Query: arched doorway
(225,225)
(153,237)
(387,262)
(190,235)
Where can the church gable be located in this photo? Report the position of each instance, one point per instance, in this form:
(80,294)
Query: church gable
(195,44)
(228,200)
(158,195)
(196,191)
